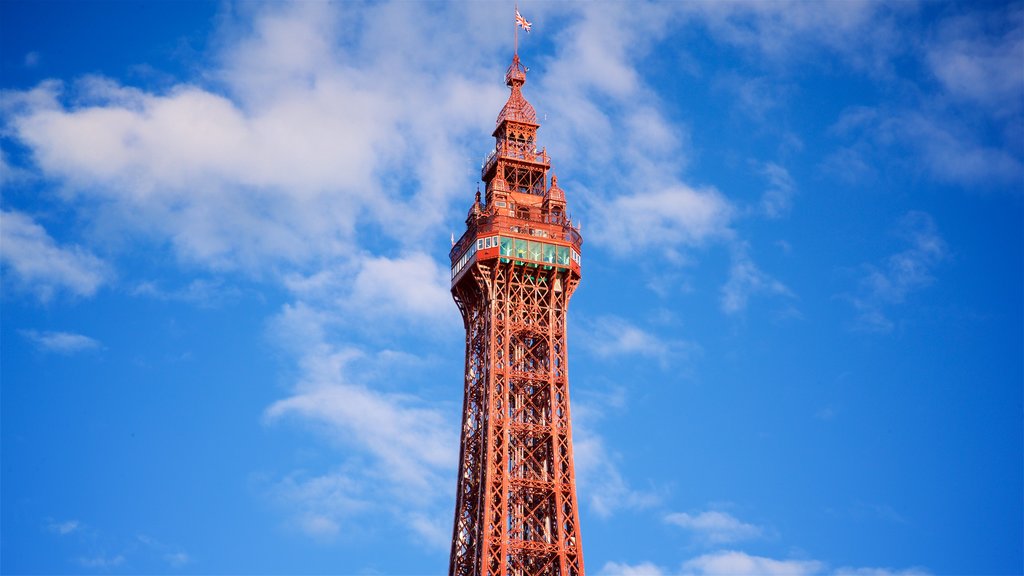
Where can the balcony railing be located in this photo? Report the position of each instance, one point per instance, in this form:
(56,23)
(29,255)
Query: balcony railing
(513,152)
(555,226)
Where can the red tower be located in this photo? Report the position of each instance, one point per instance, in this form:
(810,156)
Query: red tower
(513,272)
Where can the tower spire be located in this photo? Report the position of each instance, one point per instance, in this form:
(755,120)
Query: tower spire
(513,272)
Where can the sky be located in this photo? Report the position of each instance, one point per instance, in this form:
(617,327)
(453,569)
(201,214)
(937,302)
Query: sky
(229,346)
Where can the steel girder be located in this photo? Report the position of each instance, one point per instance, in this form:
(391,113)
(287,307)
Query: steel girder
(516,509)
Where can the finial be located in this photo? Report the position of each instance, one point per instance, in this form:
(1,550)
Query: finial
(517,108)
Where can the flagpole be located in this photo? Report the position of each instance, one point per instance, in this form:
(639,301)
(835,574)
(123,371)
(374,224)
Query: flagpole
(515,26)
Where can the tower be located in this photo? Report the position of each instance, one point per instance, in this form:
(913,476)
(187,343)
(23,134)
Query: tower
(513,272)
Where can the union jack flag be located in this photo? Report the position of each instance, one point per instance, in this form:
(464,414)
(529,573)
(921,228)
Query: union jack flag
(522,22)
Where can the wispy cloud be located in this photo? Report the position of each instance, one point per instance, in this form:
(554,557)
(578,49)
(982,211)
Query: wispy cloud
(173,556)
(177,559)
(205,292)
(411,286)
(279,185)
(778,198)
(615,337)
(101,561)
(739,563)
(746,279)
(409,441)
(404,445)
(715,527)
(63,528)
(864,34)
(603,487)
(60,342)
(934,142)
(851,571)
(622,569)
(102,551)
(731,562)
(976,57)
(666,220)
(38,265)
(888,284)
(321,504)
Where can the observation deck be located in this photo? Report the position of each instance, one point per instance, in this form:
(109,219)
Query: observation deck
(551,242)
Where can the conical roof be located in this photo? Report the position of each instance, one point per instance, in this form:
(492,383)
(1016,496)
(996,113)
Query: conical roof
(517,109)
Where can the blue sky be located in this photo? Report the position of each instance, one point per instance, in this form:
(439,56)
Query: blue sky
(229,346)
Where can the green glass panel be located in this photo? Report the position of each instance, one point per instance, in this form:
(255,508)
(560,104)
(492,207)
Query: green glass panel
(563,255)
(520,248)
(549,253)
(536,250)
(506,246)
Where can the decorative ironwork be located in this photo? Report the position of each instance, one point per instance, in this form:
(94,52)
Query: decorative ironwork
(513,273)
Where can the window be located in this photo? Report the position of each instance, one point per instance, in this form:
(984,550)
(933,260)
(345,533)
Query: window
(506,246)
(549,253)
(562,253)
(536,251)
(520,248)
(479,244)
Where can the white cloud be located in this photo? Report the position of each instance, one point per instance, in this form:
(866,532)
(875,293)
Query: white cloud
(306,139)
(101,561)
(433,528)
(739,563)
(778,198)
(201,291)
(37,264)
(864,33)
(746,280)
(665,220)
(715,527)
(410,442)
(888,284)
(398,449)
(602,485)
(848,571)
(963,134)
(977,58)
(940,144)
(63,528)
(731,562)
(61,342)
(320,504)
(622,569)
(623,155)
(754,97)
(177,559)
(411,286)
(612,336)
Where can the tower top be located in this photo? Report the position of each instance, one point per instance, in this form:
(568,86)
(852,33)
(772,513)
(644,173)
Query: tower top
(517,109)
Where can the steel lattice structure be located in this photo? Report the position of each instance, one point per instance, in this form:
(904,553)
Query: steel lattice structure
(513,272)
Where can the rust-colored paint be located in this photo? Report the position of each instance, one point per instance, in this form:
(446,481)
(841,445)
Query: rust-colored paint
(516,510)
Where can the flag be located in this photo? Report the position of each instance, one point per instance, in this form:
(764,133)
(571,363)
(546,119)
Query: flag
(522,22)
